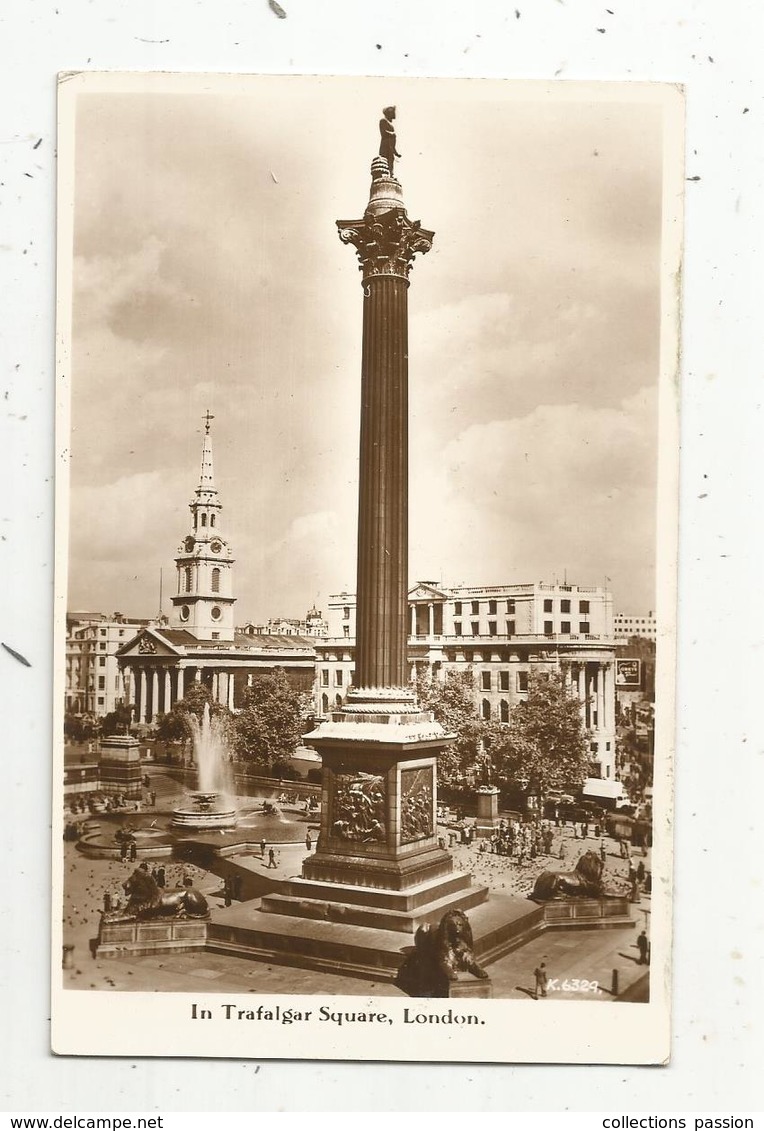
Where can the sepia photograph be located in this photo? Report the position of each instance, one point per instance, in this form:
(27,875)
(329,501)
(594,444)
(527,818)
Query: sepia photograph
(367,423)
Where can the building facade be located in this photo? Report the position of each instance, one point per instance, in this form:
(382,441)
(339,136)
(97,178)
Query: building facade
(200,642)
(313,624)
(628,626)
(93,679)
(502,633)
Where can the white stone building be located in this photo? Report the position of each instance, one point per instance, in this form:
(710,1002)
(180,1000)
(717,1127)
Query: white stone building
(93,680)
(502,632)
(627,626)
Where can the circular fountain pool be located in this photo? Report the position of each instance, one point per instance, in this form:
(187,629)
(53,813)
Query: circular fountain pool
(207,810)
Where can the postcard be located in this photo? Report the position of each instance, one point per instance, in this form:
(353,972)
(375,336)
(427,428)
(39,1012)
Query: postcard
(366,567)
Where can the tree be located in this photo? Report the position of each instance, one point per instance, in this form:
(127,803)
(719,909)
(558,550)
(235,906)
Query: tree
(453,704)
(79,728)
(269,727)
(196,698)
(172,727)
(546,745)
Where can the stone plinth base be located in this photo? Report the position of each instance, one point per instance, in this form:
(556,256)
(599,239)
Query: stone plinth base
(499,925)
(467,985)
(386,910)
(608,912)
(150,936)
(368,872)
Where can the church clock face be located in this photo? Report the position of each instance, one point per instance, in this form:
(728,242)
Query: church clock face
(189,545)
(216,547)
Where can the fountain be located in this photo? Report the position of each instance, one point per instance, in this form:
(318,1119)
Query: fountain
(209,808)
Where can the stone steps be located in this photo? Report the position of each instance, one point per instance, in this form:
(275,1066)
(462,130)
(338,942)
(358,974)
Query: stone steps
(384,918)
(406,900)
(498,925)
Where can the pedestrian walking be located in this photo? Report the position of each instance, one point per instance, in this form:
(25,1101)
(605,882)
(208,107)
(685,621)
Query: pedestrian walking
(133,851)
(603,851)
(540,975)
(643,946)
(308,842)
(271,858)
(153,796)
(562,848)
(262,848)
(227,891)
(161,876)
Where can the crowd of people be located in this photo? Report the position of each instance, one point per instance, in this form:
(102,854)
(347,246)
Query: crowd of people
(514,854)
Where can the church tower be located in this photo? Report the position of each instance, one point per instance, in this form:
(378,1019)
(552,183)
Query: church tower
(203,604)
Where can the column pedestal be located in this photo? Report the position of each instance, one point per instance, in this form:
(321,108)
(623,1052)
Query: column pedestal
(377,853)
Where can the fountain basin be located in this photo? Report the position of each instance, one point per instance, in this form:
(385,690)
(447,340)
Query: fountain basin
(207,810)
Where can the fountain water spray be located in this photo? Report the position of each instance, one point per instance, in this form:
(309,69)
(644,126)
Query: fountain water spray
(209,807)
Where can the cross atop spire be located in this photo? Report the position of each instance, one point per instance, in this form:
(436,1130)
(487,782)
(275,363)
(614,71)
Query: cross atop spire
(207,479)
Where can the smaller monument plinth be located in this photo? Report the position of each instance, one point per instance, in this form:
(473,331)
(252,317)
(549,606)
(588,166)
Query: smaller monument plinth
(119,766)
(487,810)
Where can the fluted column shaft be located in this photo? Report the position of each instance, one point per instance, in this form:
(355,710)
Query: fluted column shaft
(382,590)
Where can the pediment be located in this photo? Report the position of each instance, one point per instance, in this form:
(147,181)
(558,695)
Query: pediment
(424,592)
(149,642)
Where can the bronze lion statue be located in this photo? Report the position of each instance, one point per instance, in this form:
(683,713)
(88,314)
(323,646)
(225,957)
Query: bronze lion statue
(584,882)
(439,955)
(146,901)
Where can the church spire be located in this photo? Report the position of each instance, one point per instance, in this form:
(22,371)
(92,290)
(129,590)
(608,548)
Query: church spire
(203,603)
(207,477)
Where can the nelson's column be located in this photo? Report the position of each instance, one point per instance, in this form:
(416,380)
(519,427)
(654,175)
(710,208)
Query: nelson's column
(377,861)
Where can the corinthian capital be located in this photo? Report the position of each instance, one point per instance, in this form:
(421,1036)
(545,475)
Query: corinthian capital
(386,244)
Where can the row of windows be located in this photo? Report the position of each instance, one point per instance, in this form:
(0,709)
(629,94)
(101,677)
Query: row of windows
(338,677)
(584,627)
(521,681)
(565,606)
(188,580)
(203,520)
(325,702)
(493,607)
(492,628)
(486,710)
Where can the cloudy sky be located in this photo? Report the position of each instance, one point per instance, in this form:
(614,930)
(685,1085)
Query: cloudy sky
(207,273)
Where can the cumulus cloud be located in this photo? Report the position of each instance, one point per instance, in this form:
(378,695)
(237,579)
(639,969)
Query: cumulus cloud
(563,487)
(209,275)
